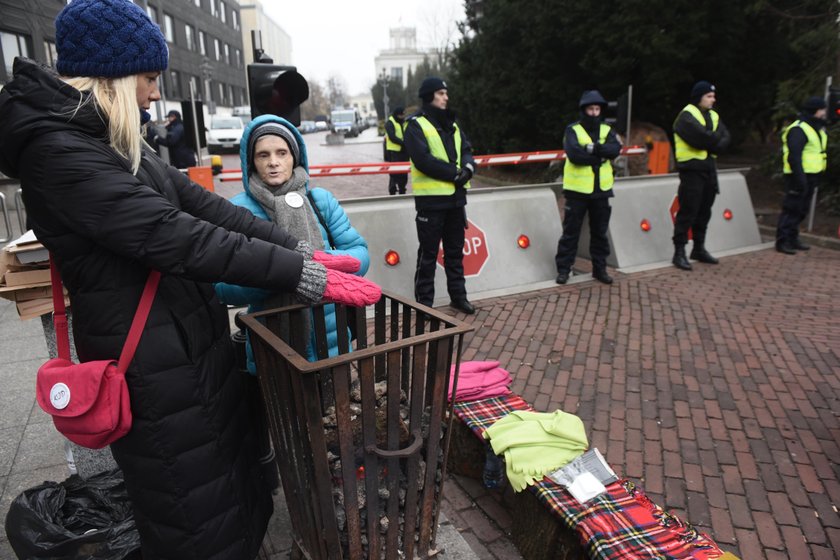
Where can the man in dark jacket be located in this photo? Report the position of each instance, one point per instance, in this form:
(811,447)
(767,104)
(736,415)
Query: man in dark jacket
(180,153)
(590,147)
(441,168)
(699,135)
(803,158)
(395,150)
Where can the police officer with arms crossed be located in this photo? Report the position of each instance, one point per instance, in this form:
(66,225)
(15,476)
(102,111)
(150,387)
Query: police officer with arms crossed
(803,157)
(699,135)
(394,149)
(590,147)
(441,168)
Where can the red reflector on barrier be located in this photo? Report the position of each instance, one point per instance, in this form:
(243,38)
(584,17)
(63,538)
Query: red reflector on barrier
(392,258)
(645,225)
(523,241)
(727,214)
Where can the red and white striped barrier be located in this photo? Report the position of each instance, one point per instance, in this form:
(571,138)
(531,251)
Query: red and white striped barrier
(337,169)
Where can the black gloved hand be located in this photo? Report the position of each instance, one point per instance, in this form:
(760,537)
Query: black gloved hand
(596,149)
(463,177)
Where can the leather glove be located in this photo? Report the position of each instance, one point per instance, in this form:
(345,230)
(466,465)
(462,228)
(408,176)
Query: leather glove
(350,290)
(590,148)
(596,149)
(343,263)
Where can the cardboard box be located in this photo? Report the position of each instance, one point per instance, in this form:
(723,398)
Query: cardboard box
(37,307)
(28,278)
(18,293)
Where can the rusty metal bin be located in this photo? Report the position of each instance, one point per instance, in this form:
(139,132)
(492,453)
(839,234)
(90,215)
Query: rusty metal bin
(361,438)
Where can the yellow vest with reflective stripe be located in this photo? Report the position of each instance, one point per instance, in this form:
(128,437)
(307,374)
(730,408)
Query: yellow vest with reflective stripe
(422,184)
(683,150)
(398,131)
(581,178)
(813,154)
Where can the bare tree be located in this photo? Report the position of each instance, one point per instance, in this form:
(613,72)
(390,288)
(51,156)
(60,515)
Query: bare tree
(336,91)
(317,104)
(439,27)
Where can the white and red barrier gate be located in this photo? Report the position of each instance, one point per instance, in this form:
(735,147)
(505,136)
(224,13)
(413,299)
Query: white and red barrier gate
(376,168)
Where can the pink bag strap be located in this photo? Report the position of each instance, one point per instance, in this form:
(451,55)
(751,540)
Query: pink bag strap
(62,336)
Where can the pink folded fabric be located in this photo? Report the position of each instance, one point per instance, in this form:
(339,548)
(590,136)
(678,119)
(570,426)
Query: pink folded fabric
(480,380)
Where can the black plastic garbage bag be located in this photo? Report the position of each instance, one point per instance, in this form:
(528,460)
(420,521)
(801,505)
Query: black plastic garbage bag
(78,519)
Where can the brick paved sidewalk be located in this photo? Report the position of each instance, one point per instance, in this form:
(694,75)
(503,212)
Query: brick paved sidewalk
(717,390)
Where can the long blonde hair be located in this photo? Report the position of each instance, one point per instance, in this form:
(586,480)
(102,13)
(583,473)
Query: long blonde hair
(116,98)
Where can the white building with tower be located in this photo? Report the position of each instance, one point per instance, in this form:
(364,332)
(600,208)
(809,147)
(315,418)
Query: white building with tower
(401,56)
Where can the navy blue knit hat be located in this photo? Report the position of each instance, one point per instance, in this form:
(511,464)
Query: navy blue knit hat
(429,86)
(109,39)
(700,89)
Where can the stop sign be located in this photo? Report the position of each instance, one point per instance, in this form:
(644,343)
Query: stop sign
(675,207)
(476,254)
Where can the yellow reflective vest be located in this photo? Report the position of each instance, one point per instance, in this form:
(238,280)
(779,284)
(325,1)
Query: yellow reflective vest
(422,184)
(581,178)
(813,154)
(398,131)
(683,150)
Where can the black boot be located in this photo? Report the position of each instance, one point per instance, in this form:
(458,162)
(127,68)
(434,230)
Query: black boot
(600,274)
(680,260)
(785,247)
(799,246)
(699,253)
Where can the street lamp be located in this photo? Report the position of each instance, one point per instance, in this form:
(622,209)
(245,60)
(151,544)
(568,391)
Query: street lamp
(383,80)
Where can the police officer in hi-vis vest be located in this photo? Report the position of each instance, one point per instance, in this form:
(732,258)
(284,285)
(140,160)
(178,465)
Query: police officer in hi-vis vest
(395,150)
(803,158)
(590,146)
(699,135)
(441,168)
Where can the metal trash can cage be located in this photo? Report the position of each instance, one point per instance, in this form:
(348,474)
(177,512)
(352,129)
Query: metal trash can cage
(379,408)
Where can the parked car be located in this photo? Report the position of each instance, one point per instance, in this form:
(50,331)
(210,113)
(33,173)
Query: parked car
(306,127)
(321,125)
(224,134)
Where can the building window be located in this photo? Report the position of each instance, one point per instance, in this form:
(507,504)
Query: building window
(52,53)
(227,54)
(237,57)
(174,85)
(212,7)
(216,49)
(194,89)
(153,14)
(230,94)
(197,3)
(234,16)
(13,45)
(169,28)
(223,12)
(189,35)
(397,74)
(202,43)
(221,93)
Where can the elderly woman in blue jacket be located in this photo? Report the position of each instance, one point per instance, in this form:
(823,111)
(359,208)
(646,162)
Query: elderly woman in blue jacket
(275,176)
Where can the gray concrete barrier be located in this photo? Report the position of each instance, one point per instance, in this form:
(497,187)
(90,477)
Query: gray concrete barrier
(494,261)
(731,229)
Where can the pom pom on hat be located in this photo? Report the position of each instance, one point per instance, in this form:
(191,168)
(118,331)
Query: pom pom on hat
(109,39)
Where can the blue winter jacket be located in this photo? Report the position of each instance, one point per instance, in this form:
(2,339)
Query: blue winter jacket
(347,240)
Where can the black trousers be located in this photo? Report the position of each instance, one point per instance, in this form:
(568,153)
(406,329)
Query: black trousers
(434,226)
(795,206)
(396,181)
(696,195)
(574,211)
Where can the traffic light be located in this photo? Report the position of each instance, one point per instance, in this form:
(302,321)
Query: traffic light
(833,105)
(276,90)
(617,113)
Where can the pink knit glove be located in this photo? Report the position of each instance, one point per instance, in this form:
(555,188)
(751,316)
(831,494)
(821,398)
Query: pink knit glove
(350,290)
(342,263)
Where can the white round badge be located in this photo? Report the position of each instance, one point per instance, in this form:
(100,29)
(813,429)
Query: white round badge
(294,200)
(60,396)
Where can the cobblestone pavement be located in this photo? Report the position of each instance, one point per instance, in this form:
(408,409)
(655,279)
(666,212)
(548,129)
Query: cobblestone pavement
(717,390)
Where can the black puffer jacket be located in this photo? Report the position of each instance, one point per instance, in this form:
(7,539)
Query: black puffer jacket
(190,459)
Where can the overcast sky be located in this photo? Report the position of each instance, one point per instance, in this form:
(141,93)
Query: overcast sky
(342,38)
